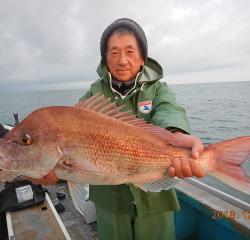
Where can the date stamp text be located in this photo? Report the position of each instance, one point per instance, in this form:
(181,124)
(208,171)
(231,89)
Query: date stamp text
(230,214)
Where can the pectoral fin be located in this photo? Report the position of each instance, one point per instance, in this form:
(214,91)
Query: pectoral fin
(67,161)
(79,193)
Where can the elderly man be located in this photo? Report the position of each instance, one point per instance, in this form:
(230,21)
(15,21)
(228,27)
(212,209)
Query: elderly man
(130,78)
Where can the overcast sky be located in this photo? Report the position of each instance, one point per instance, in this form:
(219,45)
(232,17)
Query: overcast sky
(54,44)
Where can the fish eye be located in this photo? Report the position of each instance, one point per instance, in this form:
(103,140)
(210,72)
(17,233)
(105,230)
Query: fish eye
(25,139)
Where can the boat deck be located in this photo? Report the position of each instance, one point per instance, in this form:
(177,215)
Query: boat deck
(202,216)
(73,220)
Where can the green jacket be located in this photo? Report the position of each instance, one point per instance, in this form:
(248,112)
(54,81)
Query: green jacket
(163,112)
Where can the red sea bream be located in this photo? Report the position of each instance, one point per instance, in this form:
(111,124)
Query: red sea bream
(94,143)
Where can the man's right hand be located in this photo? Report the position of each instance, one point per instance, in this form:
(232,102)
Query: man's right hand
(181,167)
(49,179)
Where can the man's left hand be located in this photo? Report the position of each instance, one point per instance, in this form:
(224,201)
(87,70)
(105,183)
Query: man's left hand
(49,179)
(182,167)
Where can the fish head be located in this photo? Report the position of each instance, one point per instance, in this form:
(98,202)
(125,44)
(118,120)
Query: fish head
(29,149)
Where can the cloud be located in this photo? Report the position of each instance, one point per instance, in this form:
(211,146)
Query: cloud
(55,44)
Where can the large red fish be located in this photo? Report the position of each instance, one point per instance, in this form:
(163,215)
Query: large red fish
(94,143)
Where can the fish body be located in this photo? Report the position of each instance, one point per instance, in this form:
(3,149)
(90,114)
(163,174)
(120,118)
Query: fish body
(96,144)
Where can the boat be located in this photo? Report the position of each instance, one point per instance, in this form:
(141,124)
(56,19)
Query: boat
(206,213)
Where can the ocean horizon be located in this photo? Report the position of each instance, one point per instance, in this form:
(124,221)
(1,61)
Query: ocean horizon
(66,89)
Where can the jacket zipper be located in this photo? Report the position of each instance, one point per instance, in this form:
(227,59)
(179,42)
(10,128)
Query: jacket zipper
(122,96)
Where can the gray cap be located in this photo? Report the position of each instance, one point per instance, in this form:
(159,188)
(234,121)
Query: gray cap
(129,24)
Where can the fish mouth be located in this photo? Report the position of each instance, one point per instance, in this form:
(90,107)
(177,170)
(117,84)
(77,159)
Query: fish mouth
(6,164)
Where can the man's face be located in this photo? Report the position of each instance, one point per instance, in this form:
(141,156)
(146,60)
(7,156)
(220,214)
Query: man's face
(123,57)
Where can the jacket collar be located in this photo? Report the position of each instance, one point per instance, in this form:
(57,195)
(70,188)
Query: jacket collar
(151,72)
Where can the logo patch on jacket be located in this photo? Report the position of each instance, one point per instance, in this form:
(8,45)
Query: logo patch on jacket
(145,107)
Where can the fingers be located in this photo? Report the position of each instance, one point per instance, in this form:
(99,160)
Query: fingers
(176,165)
(171,172)
(197,147)
(51,178)
(192,142)
(181,168)
(197,171)
(48,179)
(42,181)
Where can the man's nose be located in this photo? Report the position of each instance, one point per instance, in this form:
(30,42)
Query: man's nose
(123,59)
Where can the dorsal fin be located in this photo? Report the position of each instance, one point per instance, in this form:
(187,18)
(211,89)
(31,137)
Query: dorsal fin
(99,104)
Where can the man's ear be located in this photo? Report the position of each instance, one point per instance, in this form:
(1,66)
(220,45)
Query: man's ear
(141,60)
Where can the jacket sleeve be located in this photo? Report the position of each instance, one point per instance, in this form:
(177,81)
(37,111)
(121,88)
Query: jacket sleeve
(86,96)
(166,112)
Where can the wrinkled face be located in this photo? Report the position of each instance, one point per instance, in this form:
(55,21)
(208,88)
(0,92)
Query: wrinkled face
(123,57)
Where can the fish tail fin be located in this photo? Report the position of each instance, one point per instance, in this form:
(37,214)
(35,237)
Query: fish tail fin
(227,159)
(79,193)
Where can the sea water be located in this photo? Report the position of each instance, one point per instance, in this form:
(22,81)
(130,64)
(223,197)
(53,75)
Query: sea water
(216,112)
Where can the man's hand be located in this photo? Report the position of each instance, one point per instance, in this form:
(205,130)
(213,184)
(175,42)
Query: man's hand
(181,167)
(49,179)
